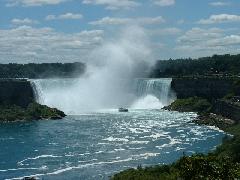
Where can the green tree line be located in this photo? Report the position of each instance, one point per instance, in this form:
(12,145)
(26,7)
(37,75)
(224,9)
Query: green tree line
(224,65)
(44,70)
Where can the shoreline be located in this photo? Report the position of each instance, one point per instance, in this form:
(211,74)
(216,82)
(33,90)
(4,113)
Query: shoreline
(33,112)
(197,166)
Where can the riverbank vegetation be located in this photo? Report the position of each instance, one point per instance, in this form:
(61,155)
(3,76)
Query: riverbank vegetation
(192,104)
(217,65)
(34,111)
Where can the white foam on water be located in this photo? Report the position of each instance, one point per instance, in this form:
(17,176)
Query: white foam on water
(76,167)
(139,142)
(147,102)
(215,128)
(37,157)
(112,139)
(19,169)
(59,171)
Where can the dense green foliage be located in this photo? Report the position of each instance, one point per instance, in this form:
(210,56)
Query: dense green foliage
(236,90)
(44,70)
(192,104)
(225,65)
(231,147)
(196,167)
(34,111)
(223,163)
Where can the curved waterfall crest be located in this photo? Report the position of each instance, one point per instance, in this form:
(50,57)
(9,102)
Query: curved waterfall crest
(154,93)
(69,95)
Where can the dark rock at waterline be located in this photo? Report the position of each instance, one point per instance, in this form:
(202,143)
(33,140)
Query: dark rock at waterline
(29,178)
(221,113)
(212,119)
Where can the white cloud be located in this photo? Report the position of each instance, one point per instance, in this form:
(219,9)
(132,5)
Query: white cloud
(164,2)
(124,21)
(114,4)
(111,21)
(199,42)
(26,44)
(220,18)
(64,16)
(230,40)
(220,3)
(197,34)
(25,21)
(33,2)
(151,20)
(165,31)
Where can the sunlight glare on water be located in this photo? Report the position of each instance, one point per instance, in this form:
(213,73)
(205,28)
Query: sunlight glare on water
(97,145)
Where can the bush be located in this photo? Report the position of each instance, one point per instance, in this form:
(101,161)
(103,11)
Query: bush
(192,104)
(34,111)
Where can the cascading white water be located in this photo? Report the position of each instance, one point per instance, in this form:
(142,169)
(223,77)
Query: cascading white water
(37,90)
(153,93)
(61,93)
(107,83)
(147,102)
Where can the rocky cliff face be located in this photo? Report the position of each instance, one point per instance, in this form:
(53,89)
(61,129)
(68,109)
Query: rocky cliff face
(209,88)
(213,89)
(227,109)
(16,92)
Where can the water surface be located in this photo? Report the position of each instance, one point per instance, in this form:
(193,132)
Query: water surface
(97,145)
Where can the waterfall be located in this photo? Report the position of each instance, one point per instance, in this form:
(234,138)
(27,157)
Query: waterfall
(57,93)
(37,90)
(72,96)
(160,88)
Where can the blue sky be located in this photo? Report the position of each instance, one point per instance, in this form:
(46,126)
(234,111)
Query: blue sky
(69,30)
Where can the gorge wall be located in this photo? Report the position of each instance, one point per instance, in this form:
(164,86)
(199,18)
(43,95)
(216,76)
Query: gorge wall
(209,88)
(227,109)
(16,92)
(213,89)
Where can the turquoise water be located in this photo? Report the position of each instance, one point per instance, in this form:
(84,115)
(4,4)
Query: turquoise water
(97,145)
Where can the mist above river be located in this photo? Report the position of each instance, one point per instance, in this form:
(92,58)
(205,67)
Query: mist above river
(108,81)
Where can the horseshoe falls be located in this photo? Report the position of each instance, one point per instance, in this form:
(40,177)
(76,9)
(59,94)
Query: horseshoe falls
(69,95)
(97,143)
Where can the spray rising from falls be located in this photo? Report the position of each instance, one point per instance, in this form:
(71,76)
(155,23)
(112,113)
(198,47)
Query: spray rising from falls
(107,84)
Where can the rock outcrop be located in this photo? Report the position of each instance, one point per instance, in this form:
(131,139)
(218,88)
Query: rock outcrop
(16,92)
(208,88)
(219,92)
(227,109)
(17,103)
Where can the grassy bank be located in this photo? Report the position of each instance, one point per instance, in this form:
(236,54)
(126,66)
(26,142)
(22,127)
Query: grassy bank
(33,111)
(192,104)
